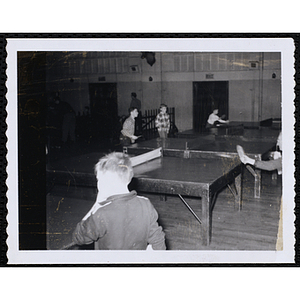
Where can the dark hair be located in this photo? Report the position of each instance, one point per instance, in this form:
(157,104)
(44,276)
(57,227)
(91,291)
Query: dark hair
(133,94)
(163,105)
(131,109)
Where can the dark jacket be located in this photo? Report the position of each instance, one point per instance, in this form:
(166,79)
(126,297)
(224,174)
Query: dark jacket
(124,222)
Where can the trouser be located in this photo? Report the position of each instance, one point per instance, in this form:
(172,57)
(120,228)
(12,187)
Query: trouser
(125,140)
(138,125)
(68,127)
(163,133)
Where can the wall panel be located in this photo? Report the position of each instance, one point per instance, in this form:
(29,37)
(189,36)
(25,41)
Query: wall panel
(172,77)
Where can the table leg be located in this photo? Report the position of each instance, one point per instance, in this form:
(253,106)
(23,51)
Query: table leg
(257,180)
(274,176)
(190,209)
(236,190)
(238,196)
(206,218)
(257,184)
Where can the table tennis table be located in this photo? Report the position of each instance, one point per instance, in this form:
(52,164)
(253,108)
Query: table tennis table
(196,177)
(179,171)
(209,146)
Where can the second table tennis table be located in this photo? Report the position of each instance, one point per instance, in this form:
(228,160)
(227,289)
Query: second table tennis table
(208,147)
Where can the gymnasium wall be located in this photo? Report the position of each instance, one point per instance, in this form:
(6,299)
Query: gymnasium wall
(254,93)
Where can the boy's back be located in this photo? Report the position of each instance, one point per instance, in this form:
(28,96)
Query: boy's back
(123,222)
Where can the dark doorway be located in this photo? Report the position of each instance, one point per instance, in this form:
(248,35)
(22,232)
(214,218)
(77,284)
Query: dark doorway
(104,110)
(206,97)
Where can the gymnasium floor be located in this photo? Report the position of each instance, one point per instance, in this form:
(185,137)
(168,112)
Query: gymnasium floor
(255,227)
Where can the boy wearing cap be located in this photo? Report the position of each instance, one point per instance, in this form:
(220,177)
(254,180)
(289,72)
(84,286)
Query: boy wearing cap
(119,219)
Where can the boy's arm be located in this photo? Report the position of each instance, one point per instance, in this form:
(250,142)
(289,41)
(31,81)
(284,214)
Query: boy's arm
(223,121)
(126,128)
(87,231)
(156,236)
(159,121)
(168,122)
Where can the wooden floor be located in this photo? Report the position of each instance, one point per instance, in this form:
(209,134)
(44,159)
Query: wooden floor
(255,227)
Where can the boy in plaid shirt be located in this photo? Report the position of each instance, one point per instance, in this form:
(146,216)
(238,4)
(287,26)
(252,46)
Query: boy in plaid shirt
(162,121)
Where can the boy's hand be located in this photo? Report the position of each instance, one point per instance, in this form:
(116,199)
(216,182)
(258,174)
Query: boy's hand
(134,138)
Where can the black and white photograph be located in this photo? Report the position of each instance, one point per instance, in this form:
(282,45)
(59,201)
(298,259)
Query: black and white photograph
(148,151)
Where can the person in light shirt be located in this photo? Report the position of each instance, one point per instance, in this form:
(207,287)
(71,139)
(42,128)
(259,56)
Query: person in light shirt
(214,119)
(127,133)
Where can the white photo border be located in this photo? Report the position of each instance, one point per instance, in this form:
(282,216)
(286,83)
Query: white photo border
(283,45)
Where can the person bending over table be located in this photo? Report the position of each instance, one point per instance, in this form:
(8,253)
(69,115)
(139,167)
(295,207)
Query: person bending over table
(136,103)
(127,133)
(214,119)
(119,219)
(269,165)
